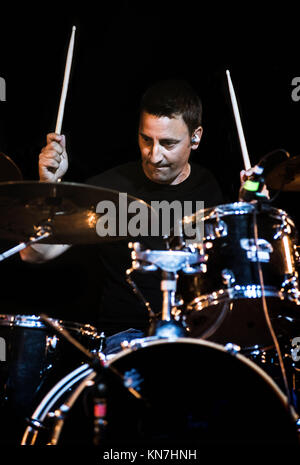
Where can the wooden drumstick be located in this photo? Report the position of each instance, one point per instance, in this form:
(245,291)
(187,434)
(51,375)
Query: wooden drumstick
(65,83)
(238,123)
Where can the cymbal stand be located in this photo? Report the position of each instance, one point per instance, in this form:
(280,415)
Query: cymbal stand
(169,262)
(101,368)
(42,232)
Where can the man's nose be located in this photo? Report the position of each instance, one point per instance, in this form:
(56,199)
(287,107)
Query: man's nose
(155,154)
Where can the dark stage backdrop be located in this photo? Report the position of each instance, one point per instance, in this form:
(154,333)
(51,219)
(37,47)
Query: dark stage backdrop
(120,49)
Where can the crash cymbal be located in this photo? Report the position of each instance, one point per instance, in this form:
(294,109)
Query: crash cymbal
(9,171)
(285,176)
(70,211)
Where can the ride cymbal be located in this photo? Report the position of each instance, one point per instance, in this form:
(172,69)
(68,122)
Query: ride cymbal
(9,171)
(285,176)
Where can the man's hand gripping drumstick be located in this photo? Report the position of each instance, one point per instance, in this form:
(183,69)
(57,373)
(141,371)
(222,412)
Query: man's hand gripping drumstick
(248,171)
(53,164)
(53,159)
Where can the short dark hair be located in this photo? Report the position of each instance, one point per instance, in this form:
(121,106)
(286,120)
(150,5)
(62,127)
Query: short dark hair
(171,98)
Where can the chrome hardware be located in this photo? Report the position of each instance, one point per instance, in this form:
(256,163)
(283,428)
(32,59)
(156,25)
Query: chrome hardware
(221,229)
(198,250)
(167,260)
(202,268)
(102,341)
(228,277)
(59,413)
(133,379)
(232,348)
(51,343)
(262,252)
(298,426)
(283,229)
(125,345)
(217,229)
(251,291)
(290,288)
(136,263)
(295,350)
(138,343)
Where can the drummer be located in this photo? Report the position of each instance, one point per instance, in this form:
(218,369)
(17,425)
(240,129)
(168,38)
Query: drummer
(170,129)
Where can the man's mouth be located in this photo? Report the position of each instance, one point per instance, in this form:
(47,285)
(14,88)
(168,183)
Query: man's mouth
(158,167)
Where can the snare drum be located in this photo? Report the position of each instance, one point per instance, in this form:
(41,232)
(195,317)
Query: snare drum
(222,302)
(193,392)
(34,358)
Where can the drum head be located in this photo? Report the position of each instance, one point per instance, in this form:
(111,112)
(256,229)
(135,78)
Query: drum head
(195,392)
(192,393)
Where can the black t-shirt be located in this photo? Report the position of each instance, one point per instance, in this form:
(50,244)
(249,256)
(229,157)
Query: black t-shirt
(119,307)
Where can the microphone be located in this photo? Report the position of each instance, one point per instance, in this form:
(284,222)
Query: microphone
(253,186)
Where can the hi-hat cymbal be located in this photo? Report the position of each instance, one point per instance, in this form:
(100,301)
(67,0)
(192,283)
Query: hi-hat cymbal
(68,210)
(285,176)
(9,171)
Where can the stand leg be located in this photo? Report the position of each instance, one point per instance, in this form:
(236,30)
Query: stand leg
(8,253)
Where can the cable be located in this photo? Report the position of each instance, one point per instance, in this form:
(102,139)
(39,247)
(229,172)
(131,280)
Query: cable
(266,311)
(138,293)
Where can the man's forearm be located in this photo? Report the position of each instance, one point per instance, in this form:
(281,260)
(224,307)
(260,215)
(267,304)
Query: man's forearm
(40,253)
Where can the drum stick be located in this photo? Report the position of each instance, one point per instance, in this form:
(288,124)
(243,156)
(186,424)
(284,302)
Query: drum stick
(238,123)
(65,83)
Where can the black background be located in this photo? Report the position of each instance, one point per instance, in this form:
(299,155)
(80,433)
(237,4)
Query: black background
(121,48)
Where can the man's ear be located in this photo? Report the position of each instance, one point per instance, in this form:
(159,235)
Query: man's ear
(196,138)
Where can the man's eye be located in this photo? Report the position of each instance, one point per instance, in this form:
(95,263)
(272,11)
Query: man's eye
(169,144)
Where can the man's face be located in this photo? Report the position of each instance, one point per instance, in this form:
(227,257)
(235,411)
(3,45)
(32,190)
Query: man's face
(165,146)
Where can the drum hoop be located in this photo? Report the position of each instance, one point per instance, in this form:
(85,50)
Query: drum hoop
(238,208)
(249,291)
(145,343)
(89,374)
(80,376)
(34,321)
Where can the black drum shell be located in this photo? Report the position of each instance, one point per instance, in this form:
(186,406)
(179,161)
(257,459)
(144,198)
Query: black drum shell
(230,283)
(227,253)
(35,359)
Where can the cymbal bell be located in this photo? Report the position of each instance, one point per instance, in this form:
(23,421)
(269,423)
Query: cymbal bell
(285,176)
(9,171)
(67,210)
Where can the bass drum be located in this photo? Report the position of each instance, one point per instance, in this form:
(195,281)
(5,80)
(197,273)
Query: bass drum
(192,392)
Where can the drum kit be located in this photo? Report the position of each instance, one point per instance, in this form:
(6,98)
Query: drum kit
(216,365)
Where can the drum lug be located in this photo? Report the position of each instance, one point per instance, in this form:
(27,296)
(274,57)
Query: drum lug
(216,230)
(283,229)
(290,288)
(232,348)
(51,343)
(261,252)
(228,277)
